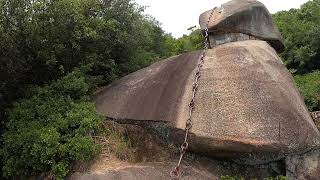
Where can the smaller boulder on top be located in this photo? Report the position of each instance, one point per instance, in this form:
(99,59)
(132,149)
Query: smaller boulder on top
(241,20)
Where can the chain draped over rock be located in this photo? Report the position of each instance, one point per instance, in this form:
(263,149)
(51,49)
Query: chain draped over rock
(315,115)
(176,172)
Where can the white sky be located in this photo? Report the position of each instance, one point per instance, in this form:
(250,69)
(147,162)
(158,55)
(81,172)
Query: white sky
(176,16)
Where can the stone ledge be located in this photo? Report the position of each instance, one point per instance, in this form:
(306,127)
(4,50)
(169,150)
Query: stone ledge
(216,40)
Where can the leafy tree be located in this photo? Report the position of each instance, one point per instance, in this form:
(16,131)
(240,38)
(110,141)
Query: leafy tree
(300,29)
(43,40)
(188,43)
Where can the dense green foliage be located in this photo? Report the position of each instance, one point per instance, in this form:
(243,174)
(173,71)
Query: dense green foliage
(300,29)
(41,41)
(187,43)
(48,131)
(242,178)
(309,86)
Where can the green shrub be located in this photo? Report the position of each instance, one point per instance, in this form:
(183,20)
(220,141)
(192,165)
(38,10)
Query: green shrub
(276,178)
(242,178)
(309,86)
(227,177)
(48,131)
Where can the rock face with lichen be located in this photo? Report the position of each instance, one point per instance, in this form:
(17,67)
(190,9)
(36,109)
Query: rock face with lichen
(247,107)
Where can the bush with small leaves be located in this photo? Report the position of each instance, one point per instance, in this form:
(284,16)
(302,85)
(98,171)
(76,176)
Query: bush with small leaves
(50,130)
(227,177)
(276,178)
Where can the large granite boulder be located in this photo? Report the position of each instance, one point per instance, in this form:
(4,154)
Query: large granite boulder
(247,105)
(248,17)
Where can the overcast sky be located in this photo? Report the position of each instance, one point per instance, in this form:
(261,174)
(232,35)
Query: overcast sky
(176,16)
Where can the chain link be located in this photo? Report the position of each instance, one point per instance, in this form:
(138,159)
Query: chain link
(176,172)
(315,115)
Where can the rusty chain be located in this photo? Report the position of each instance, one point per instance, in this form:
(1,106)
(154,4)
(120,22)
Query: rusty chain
(315,115)
(175,173)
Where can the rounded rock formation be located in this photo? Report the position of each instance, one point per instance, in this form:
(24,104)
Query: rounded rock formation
(247,107)
(248,17)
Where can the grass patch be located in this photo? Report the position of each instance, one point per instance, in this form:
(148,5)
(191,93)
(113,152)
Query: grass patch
(131,143)
(113,141)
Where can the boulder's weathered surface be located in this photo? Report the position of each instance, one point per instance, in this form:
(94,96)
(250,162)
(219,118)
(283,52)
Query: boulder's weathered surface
(243,16)
(216,40)
(153,93)
(247,105)
(304,166)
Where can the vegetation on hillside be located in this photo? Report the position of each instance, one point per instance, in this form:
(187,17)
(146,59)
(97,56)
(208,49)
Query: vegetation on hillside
(187,43)
(300,29)
(309,86)
(49,130)
(41,41)
(44,47)
(242,178)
